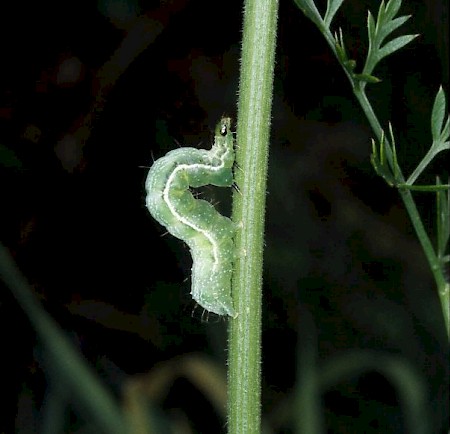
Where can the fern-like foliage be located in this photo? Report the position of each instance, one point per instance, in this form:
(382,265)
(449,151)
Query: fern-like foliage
(389,169)
(382,165)
(384,155)
(440,127)
(378,31)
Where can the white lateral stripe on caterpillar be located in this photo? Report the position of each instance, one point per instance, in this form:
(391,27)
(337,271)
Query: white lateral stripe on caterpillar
(183,219)
(208,234)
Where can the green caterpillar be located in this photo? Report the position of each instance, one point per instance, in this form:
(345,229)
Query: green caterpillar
(208,234)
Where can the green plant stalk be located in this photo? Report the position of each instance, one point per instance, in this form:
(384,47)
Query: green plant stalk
(406,195)
(253,129)
(432,152)
(408,200)
(309,9)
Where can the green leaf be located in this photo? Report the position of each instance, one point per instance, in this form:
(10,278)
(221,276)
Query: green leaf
(443,146)
(440,133)
(381,164)
(437,115)
(340,53)
(380,29)
(391,26)
(381,12)
(309,9)
(340,47)
(348,64)
(332,8)
(366,77)
(394,45)
(392,7)
(429,188)
(445,133)
(371,26)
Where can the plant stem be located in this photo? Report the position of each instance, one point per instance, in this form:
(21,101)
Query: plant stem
(432,152)
(253,128)
(413,213)
(358,87)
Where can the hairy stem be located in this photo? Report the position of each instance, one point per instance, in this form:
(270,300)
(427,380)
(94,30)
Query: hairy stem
(253,128)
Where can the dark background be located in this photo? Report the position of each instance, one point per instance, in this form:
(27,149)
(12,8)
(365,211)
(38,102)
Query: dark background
(92,92)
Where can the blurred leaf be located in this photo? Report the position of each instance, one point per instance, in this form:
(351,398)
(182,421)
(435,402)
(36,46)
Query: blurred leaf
(68,364)
(147,390)
(401,374)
